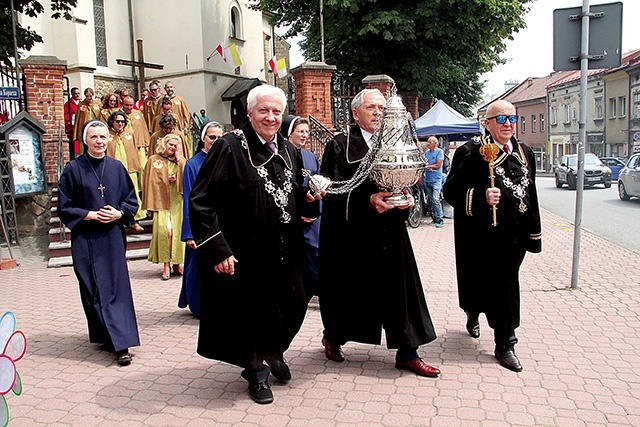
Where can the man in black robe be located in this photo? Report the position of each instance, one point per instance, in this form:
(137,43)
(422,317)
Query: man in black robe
(488,254)
(369,279)
(96,200)
(245,219)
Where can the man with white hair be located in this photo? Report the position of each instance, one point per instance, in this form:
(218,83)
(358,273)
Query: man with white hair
(245,209)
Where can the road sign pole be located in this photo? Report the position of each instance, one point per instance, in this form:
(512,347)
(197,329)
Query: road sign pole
(584,69)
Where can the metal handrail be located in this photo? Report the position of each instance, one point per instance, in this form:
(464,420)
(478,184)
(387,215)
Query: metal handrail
(319,135)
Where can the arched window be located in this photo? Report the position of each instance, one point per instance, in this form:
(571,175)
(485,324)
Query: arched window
(236,23)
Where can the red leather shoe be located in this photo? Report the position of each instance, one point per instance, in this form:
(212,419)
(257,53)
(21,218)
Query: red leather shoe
(418,367)
(332,351)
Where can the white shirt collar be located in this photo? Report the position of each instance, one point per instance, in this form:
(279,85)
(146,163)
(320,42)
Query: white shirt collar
(367,137)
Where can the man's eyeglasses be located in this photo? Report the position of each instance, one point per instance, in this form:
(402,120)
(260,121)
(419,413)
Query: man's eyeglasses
(502,118)
(212,137)
(154,90)
(120,121)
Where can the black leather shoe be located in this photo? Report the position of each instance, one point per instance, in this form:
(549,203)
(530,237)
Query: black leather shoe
(279,369)
(261,392)
(123,357)
(473,325)
(508,359)
(332,351)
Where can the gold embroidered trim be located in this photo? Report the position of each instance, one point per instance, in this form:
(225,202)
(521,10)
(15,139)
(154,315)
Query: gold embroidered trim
(469,202)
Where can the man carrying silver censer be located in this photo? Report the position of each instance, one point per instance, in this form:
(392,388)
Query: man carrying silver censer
(369,278)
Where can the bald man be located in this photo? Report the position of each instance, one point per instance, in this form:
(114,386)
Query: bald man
(489,253)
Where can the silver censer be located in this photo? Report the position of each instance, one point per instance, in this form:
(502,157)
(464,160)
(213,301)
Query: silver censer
(394,162)
(400,162)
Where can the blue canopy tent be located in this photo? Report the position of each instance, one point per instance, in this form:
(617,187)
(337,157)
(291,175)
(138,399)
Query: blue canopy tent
(442,120)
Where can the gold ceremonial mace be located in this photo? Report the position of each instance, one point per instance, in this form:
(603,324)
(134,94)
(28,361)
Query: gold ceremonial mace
(490,153)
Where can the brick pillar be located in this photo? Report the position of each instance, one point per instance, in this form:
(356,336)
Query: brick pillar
(379,81)
(44,101)
(313,91)
(410,100)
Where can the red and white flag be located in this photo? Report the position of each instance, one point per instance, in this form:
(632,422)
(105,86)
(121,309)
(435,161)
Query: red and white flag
(273,66)
(278,66)
(220,49)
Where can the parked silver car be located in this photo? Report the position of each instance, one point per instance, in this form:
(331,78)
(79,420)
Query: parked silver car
(566,171)
(629,179)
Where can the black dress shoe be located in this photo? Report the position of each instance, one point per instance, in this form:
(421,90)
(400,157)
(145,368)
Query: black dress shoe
(261,392)
(332,351)
(473,325)
(279,369)
(508,359)
(123,357)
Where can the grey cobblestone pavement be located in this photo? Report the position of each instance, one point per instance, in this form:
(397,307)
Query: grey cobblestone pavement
(579,348)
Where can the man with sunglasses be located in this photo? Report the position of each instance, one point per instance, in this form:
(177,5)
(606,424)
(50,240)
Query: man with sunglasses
(495,224)
(151,104)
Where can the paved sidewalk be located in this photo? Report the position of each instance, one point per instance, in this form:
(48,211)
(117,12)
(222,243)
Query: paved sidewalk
(580,350)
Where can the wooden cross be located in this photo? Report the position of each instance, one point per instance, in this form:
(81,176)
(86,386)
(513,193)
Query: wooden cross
(141,65)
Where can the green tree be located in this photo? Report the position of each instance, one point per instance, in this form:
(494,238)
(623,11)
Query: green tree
(26,37)
(439,47)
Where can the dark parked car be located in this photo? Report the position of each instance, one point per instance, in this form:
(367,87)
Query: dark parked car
(566,171)
(615,164)
(629,179)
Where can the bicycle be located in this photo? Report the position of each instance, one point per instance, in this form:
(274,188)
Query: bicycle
(415,215)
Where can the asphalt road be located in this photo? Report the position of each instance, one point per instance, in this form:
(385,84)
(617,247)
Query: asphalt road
(603,213)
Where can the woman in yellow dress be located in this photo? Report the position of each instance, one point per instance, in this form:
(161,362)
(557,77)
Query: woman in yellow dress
(162,195)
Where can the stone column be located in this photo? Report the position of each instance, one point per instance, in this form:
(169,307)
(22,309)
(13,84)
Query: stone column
(410,100)
(379,81)
(313,91)
(44,100)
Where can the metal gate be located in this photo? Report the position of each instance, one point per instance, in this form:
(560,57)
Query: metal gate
(342,94)
(10,107)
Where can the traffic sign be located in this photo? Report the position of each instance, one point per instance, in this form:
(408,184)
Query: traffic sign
(605,37)
(9,92)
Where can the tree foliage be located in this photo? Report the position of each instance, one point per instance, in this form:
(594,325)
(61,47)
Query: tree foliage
(26,38)
(438,47)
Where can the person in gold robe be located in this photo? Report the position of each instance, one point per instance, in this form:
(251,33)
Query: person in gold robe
(122,147)
(88,109)
(109,106)
(150,102)
(162,195)
(138,127)
(167,126)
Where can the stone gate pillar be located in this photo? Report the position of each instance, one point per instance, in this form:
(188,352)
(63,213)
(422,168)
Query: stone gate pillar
(379,81)
(411,100)
(44,101)
(313,91)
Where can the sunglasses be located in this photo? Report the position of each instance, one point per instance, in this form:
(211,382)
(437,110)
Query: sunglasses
(502,118)
(214,137)
(120,121)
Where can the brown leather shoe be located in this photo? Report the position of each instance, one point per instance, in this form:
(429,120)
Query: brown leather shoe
(137,227)
(332,351)
(418,367)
